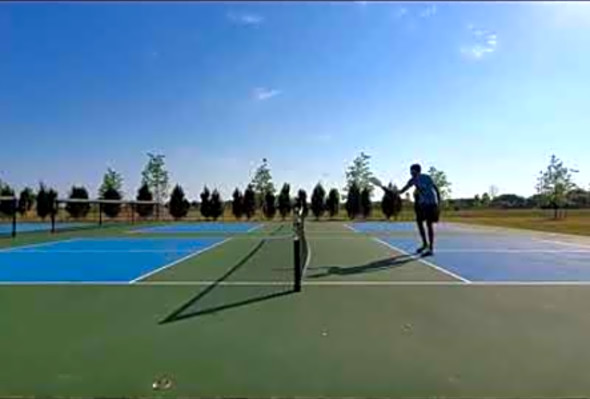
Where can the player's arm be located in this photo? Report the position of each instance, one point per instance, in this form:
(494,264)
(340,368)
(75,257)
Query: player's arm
(405,188)
(438,198)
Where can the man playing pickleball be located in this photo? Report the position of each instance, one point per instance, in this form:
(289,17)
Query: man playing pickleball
(426,206)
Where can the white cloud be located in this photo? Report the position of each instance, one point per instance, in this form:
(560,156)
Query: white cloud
(245,18)
(475,52)
(361,3)
(482,42)
(261,93)
(428,12)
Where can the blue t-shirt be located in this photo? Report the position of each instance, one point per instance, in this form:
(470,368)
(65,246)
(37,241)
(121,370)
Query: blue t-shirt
(425,187)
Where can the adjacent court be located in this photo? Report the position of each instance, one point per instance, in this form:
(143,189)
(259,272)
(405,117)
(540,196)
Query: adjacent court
(6,228)
(97,260)
(494,313)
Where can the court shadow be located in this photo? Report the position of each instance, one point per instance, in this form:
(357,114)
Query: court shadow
(192,307)
(379,265)
(183,313)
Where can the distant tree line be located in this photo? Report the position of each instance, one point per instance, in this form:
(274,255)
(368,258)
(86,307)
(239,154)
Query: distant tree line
(555,190)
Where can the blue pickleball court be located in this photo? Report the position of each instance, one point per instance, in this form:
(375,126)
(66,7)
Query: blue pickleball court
(97,260)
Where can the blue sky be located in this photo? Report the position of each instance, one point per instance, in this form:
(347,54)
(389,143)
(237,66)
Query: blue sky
(484,91)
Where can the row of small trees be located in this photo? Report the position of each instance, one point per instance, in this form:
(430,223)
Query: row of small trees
(245,204)
(259,195)
(153,188)
(211,205)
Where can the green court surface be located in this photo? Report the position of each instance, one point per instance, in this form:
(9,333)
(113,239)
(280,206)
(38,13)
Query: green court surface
(369,322)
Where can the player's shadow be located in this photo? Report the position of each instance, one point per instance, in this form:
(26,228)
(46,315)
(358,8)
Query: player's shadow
(191,308)
(379,265)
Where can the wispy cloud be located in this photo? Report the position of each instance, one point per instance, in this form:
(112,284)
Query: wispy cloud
(361,3)
(400,12)
(245,18)
(262,93)
(482,42)
(428,11)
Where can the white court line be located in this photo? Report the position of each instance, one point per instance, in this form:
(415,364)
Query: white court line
(40,244)
(427,263)
(105,251)
(571,244)
(419,259)
(508,250)
(308,259)
(305,283)
(372,283)
(258,226)
(351,228)
(62,283)
(220,283)
(151,273)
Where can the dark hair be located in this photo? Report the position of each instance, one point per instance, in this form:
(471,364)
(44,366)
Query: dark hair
(416,167)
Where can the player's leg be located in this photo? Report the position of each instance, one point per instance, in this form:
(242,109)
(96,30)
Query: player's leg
(430,227)
(431,219)
(424,246)
(420,222)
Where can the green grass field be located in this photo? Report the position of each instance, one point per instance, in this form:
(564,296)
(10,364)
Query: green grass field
(249,335)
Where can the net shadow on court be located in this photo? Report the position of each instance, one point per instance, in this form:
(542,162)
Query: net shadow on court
(218,297)
(375,266)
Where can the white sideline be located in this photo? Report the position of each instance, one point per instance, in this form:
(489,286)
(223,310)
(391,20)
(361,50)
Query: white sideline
(258,226)
(569,244)
(151,273)
(427,263)
(305,283)
(40,244)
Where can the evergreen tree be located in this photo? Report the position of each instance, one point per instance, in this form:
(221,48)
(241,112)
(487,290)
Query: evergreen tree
(144,194)
(78,210)
(179,205)
(216,205)
(284,201)
(333,202)
(353,201)
(318,201)
(249,202)
(237,204)
(205,203)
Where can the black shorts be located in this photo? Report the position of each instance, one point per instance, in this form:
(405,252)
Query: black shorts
(427,212)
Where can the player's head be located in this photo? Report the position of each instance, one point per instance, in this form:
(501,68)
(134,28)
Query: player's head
(415,170)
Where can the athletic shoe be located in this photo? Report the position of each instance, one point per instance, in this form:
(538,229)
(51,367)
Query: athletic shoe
(421,249)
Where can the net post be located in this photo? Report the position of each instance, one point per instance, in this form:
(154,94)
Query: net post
(100,213)
(297,249)
(297,262)
(132,212)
